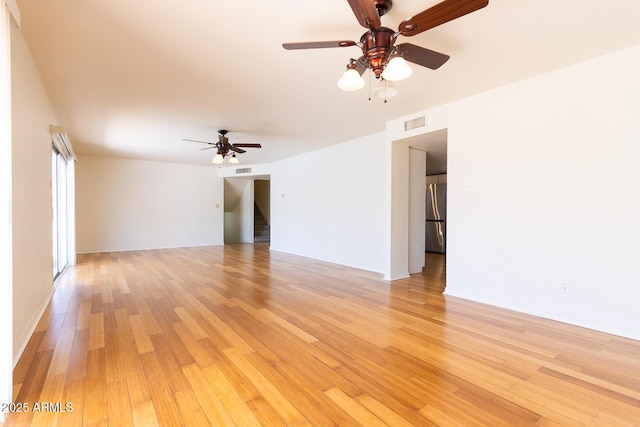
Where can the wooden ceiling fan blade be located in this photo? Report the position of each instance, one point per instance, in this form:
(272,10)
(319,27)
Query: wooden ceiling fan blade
(201,142)
(318,45)
(422,56)
(236,149)
(247,144)
(366,13)
(207,148)
(443,12)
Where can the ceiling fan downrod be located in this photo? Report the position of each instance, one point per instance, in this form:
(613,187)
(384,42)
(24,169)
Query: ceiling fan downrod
(383,6)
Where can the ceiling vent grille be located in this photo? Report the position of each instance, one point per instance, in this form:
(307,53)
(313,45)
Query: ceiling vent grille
(414,123)
(243,170)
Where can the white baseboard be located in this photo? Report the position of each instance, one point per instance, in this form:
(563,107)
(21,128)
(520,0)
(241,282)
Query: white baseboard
(25,336)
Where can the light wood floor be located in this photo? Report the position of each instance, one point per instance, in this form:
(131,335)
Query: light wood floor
(239,335)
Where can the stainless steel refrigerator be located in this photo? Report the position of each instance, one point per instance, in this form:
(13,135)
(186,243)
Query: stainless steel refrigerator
(436,220)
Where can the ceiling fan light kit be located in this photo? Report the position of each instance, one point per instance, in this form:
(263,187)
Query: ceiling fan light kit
(234,160)
(385,90)
(351,79)
(380,54)
(397,69)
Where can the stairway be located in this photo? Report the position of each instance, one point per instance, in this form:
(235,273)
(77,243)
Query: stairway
(261,229)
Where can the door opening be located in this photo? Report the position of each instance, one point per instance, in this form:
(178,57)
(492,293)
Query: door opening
(262,208)
(435,145)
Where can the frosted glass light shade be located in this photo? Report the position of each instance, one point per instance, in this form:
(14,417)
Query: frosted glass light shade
(397,69)
(234,160)
(351,80)
(217,159)
(385,90)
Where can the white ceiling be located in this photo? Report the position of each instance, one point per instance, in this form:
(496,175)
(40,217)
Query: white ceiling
(132,78)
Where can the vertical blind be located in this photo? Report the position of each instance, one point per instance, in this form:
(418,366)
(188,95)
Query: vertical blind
(61,142)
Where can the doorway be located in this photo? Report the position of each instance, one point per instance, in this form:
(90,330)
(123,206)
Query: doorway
(262,211)
(432,149)
(247,210)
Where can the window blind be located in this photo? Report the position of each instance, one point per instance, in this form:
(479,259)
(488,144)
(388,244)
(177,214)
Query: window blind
(61,142)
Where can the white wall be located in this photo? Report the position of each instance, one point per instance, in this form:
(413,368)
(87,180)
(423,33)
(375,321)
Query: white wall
(6,275)
(332,204)
(417,209)
(238,218)
(398,239)
(31,169)
(551,164)
(126,204)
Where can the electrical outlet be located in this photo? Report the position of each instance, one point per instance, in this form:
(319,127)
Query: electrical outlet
(565,287)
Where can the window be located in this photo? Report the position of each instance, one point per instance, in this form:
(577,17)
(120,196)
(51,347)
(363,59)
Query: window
(62,201)
(60,218)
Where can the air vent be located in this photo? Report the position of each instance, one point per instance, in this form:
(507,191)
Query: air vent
(414,123)
(243,170)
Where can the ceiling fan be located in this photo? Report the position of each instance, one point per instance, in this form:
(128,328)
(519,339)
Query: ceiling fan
(380,53)
(224,147)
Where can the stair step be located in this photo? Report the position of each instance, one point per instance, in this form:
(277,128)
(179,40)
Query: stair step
(261,229)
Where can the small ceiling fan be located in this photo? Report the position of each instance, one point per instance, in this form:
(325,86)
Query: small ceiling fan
(380,53)
(224,147)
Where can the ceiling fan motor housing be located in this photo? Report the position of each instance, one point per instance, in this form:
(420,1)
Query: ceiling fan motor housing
(377,46)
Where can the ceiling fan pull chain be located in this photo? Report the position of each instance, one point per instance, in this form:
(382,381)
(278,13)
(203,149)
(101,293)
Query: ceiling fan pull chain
(385,91)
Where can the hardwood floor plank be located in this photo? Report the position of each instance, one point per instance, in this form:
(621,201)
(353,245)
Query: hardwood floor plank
(144,415)
(119,408)
(229,334)
(209,402)
(84,314)
(438,418)
(231,400)
(191,323)
(269,317)
(143,342)
(170,364)
(240,383)
(190,410)
(75,384)
(192,345)
(353,408)
(282,406)
(134,373)
(95,408)
(24,364)
(265,413)
(32,385)
(381,411)
(311,401)
(96,331)
(53,330)
(52,392)
(241,335)
(162,397)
